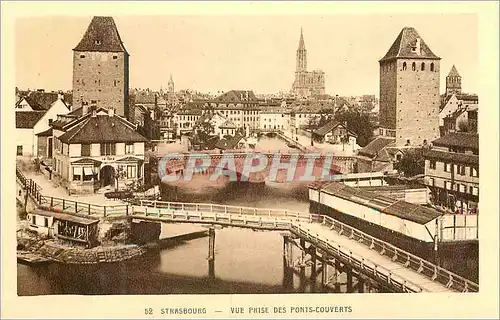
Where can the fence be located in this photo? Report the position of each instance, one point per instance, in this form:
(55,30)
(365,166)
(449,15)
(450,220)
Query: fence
(271,219)
(279,219)
(70,206)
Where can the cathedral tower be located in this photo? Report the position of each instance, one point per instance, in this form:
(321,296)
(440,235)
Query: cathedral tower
(301,54)
(453,82)
(101,68)
(171,85)
(306,83)
(409,90)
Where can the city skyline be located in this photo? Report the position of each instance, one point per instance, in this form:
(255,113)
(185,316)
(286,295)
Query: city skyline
(215,53)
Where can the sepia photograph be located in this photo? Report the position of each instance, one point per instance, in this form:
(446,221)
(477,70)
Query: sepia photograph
(259,154)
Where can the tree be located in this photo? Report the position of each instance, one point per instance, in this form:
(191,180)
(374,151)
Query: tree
(463,126)
(358,123)
(120,174)
(203,131)
(411,163)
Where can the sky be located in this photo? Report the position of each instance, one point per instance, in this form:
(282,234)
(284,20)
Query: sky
(221,53)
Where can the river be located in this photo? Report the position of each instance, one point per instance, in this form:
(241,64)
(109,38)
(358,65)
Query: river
(246,261)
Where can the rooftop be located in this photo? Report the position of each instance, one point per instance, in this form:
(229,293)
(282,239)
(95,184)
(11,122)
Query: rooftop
(458,139)
(101,35)
(375,146)
(453,157)
(406,46)
(453,72)
(67,217)
(102,128)
(383,204)
(28,119)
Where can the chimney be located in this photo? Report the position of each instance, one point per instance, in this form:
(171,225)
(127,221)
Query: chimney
(60,96)
(247,95)
(417,46)
(93,109)
(111,112)
(85,107)
(241,96)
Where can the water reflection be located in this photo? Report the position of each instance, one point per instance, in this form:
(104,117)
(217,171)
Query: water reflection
(246,261)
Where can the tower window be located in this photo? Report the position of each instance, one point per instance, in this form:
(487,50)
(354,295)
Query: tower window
(404,65)
(432,66)
(98,42)
(82,56)
(423,66)
(413,66)
(115,57)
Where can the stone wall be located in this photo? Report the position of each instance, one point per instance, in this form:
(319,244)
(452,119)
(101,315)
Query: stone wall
(103,77)
(143,232)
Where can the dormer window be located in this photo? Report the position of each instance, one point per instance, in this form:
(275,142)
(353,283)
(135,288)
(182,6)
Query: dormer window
(98,42)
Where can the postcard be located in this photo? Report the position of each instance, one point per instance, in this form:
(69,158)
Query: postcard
(249,160)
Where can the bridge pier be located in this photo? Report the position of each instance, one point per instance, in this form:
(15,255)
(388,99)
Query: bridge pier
(349,272)
(312,252)
(361,285)
(336,275)
(324,275)
(211,253)
(287,263)
(302,266)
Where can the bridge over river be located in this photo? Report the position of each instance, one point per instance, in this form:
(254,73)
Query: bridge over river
(323,242)
(255,167)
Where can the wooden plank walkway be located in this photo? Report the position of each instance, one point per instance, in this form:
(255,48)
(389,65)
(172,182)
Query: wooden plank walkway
(322,234)
(353,247)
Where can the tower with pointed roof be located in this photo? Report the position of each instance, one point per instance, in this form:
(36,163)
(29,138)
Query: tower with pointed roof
(101,68)
(409,91)
(306,83)
(171,85)
(453,82)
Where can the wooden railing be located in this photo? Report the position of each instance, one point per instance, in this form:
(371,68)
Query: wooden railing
(279,219)
(67,205)
(218,208)
(71,206)
(411,261)
(366,266)
(271,219)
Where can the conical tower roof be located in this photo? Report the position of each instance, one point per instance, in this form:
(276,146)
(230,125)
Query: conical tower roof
(101,35)
(453,72)
(302,45)
(408,40)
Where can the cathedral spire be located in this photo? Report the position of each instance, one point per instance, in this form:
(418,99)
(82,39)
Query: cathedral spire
(302,46)
(301,54)
(171,84)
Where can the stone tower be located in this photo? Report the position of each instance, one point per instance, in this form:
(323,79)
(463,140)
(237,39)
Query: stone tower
(306,82)
(171,85)
(453,82)
(301,54)
(409,90)
(101,68)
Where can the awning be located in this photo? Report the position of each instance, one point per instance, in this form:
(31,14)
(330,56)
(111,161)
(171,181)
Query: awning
(88,161)
(67,217)
(88,171)
(130,159)
(77,170)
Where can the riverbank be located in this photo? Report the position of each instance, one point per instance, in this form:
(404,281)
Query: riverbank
(32,249)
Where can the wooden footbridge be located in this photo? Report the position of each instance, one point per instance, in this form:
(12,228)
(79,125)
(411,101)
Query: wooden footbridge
(323,242)
(329,241)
